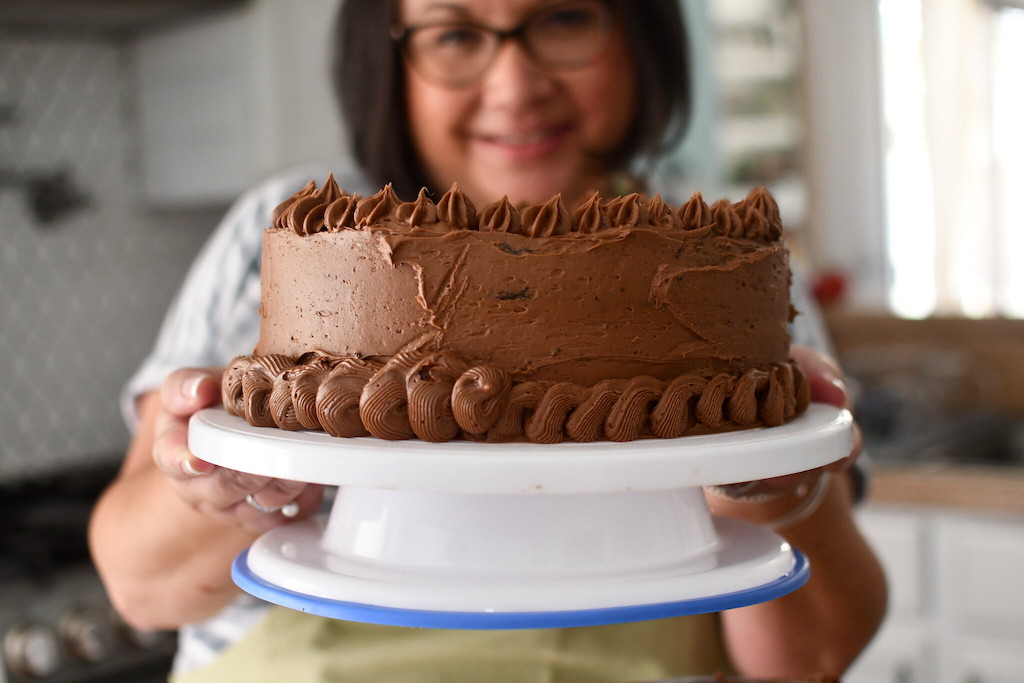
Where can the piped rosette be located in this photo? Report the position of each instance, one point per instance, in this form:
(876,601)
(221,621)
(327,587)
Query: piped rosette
(330,209)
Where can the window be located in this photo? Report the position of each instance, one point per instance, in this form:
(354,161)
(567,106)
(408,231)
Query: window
(953,141)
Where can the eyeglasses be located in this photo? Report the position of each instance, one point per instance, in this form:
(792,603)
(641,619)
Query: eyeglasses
(456,54)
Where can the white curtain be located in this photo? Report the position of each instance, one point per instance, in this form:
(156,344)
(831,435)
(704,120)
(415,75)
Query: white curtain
(915,149)
(951,83)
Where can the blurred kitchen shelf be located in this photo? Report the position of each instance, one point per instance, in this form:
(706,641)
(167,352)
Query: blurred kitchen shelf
(748,11)
(759,133)
(754,63)
(741,134)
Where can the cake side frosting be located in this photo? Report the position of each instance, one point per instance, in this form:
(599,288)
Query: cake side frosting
(618,320)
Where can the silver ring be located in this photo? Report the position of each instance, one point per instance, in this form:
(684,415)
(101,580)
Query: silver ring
(288,509)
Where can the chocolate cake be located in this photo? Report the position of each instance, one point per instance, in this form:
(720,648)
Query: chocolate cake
(623,318)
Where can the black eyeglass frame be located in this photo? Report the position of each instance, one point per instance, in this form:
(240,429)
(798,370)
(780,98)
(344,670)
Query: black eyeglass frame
(401,36)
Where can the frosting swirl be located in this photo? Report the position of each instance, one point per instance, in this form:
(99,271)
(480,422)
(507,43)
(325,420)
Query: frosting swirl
(761,215)
(591,216)
(337,398)
(695,213)
(547,219)
(726,219)
(417,213)
(438,396)
(456,210)
(277,217)
(341,213)
(628,211)
(661,215)
(375,208)
(304,212)
(501,217)
(328,208)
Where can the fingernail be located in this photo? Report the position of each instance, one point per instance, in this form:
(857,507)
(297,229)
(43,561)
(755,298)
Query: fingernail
(189,468)
(191,388)
(842,399)
(833,375)
(829,367)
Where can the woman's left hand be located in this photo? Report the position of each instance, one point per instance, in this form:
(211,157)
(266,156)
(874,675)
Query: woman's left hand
(769,499)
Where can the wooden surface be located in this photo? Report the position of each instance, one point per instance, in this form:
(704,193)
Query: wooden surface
(977,488)
(980,362)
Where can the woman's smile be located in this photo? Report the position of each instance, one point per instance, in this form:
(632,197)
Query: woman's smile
(523,145)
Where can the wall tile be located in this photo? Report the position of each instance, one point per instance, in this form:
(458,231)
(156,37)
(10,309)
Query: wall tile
(81,299)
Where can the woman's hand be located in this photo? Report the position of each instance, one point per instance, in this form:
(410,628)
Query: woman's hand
(218,492)
(824,625)
(185,519)
(769,500)
(828,386)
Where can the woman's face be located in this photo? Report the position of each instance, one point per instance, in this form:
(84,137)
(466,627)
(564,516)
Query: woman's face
(523,130)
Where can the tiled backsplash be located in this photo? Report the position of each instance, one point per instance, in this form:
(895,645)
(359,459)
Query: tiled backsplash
(81,298)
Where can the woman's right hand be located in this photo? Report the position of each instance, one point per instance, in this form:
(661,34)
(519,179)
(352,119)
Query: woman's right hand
(218,492)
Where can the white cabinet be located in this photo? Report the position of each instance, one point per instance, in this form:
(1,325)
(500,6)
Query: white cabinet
(981,578)
(898,654)
(956,606)
(228,98)
(976,660)
(901,652)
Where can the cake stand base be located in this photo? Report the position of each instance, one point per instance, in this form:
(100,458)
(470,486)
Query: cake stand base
(290,569)
(501,536)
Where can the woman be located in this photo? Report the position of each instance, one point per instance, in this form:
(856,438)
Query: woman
(523,98)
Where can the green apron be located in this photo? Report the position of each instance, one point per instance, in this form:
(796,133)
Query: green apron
(292,647)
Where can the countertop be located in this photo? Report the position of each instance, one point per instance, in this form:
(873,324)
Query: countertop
(946,393)
(977,488)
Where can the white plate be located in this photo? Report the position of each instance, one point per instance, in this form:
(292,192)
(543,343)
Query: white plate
(819,436)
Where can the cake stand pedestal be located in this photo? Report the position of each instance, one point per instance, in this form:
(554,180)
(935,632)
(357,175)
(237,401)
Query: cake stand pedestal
(520,535)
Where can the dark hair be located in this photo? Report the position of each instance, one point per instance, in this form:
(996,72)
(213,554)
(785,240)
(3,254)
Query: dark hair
(369,85)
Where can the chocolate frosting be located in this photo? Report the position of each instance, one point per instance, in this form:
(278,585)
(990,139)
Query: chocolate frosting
(437,396)
(628,212)
(331,209)
(501,217)
(547,220)
(456,210)
(695,213)
(661,214)
(378,207)
(417,213)
(591,216)
(619,320)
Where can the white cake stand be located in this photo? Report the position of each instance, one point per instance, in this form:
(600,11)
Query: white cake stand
(520,535)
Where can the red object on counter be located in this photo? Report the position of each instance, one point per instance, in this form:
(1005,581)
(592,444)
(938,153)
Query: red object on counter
(829,287)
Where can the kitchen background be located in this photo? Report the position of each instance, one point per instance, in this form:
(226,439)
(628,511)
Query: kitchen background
(87,266)
(886,128)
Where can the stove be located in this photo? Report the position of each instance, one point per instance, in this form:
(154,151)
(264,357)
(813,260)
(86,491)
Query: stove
(56,622)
